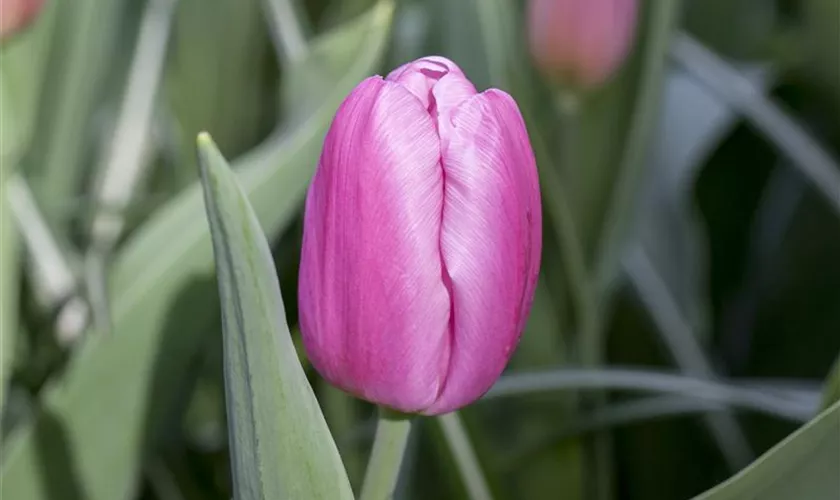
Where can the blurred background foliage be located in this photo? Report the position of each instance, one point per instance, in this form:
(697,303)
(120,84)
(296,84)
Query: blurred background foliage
(696,231)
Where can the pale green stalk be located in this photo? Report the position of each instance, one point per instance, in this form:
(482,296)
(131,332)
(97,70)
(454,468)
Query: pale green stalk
(587,321)
(663,20)
(389,445)
(465,456)
(286,30)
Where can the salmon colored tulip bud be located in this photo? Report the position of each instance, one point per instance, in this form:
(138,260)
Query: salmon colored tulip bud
(581,42)
(16,15)
(421,242)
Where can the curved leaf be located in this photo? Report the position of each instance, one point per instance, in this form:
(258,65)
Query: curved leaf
(802,466)
(279,441)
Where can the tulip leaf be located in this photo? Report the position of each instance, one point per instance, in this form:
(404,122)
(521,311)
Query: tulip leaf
(94,423)
(9,283)
(213,83)
(85,39)
(831,388)
(803,466)
(22,70)
(279,441)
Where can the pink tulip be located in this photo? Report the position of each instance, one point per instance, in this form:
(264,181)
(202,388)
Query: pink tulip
(581,41)
(16,15)
(422,240)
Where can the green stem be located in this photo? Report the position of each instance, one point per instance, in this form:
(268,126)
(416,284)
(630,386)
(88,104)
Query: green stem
(339,410)
(664,17)
(574,261)
(388,450)
(587,322)
(465,456)
(286,30)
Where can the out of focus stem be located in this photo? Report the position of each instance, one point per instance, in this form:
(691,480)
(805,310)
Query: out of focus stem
(663,18)
(586,314)
(465,457)
(286,30)
(587,324)
(389,445)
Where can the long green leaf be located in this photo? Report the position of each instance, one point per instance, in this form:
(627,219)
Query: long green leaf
(279,441)
(217,83)
(86,34)
(803,466)
(22,68)
(95,422)
(9,283)
(22,64)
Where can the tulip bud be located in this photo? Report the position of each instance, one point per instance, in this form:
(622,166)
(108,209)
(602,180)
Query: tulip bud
(581,42)
(16,15)
(422,238)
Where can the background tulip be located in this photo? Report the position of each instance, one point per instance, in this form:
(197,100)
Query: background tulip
(581,42)
(422,240)
(16,15)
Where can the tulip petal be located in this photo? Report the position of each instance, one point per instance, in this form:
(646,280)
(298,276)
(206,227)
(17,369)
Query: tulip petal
(491,240)
(436,81)
(374,310)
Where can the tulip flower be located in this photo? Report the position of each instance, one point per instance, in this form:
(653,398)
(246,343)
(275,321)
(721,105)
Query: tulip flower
(422,238)
(581,42)
(16,15)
